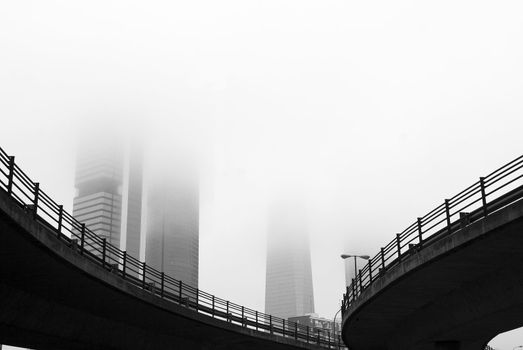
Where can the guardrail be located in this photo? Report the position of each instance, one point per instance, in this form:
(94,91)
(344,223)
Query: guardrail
(491,193)
(79,237)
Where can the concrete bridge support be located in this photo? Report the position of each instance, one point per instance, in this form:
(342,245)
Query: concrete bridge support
(455,294)
(53,297)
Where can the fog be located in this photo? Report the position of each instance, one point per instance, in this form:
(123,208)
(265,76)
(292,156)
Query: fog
(371,112)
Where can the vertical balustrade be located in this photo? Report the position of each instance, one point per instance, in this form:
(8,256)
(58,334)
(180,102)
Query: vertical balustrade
(104,248)
(370,270)
(36,197)
(398,246)
(162,279)
(447,213)
(382,252)
(420,232)
(307,334)
(60,218)
(143,274)
(180,291)
(197,299)
(483,196)
(82,239)
(10,176)
(124,264)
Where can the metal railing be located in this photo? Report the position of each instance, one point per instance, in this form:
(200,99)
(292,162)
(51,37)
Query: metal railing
(80,238)
(490,194)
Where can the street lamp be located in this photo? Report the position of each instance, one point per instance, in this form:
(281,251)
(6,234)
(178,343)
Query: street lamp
(364,257)
(334,325)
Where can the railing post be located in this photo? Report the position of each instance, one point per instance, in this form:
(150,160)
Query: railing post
(227,309)
(270,323)
(447,212)
(104,247)
(420,232)
(197,299)
(361,284)
(382,252)
(124,264)
(329,338)
(243,315)
(60,218)
(318,335)
(143,274)
(213,306)
(180,291)
(307,334)
(10,176)
(370,270)
(162,276)
(353,288)
(295,330)
(35,200)
(483,195)
(398,246)
(82,239)
(284,328)
(256,320)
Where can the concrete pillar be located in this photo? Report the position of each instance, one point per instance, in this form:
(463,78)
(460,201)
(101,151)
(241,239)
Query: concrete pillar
(447,345)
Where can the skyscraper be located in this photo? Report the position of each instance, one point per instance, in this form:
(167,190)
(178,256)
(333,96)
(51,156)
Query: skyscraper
(172,236)
(288,289)
(132,199)
(98,182)
(108,197)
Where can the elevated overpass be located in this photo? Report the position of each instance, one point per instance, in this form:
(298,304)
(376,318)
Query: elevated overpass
(63,287)
(451,280)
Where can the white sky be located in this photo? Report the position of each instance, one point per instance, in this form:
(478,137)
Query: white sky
(375,111)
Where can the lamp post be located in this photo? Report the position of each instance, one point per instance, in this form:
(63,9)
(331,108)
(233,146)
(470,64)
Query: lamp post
(364,257)
(334,321)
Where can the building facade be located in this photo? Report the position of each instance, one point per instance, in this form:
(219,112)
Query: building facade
(288,289)
(314,321)
(172,234)
(109,193)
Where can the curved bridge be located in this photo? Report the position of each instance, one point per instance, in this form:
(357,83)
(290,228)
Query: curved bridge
(63,287)
(451,280)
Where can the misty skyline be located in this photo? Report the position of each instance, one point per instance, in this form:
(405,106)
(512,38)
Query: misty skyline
(375,111)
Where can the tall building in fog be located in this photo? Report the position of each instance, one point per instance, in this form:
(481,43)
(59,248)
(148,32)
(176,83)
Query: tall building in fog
(172,234)
(132,199)
(108,197)
(288,289)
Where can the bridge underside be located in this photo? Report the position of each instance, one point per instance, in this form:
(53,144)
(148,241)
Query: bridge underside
(53,298)
(457,293)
